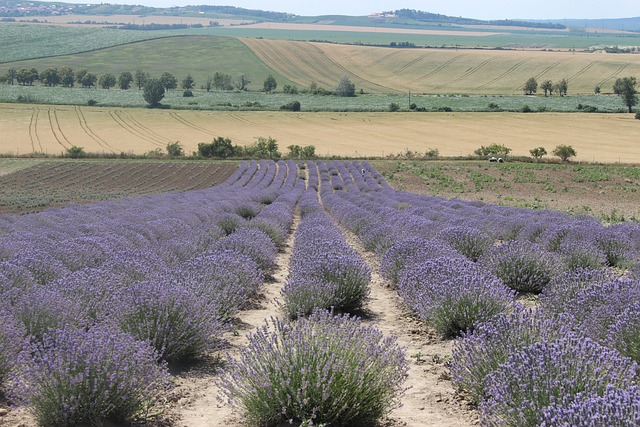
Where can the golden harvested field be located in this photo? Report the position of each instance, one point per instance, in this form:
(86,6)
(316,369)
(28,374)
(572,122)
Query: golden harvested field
(440,70)
(51,129)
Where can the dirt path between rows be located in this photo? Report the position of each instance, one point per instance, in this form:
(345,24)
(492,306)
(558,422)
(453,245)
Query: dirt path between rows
(198,391)
(431,399)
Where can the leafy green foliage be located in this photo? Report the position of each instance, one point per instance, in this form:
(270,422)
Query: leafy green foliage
(565,152)
(345,87)
(492,150)
(154,91)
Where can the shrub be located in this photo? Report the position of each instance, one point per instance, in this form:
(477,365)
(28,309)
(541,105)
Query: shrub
(253,243)
(229,222)
(409,252)
(394,107)
(87,377)
(470,242)
(12,335)
(319,370)
(92,102)
(616,408)
(291,106)
(564,152)
(625,332)
(546,372)
(478,354)
(453,295)
(224,280)
(173,319)
(523,266)
(581,254)
(615,244)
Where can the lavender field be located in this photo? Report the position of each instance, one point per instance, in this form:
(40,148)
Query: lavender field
(105,306)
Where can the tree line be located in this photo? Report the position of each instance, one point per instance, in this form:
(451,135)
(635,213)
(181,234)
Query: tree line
(625,87)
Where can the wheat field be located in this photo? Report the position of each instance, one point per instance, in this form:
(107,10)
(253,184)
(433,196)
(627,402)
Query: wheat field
(51,129)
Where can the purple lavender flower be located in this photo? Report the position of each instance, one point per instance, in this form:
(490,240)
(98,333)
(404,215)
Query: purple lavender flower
(453,295)
(544,373)
(320,369)
(78,376)
(523,266)
(618,407)
(470,242)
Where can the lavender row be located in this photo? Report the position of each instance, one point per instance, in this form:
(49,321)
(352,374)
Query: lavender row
(98,298)
(325,272)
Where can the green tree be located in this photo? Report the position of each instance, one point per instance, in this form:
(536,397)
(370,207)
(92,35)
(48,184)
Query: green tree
(50,77)
(174,149)
(107,81)
(547,86)
(531,86)
(242,82)
(208,84)
(264,148)
(124,80)
(564,152)
(394,107)
(297,152)
(538,152)
(493,150)
(345,87)
(67,78)
(188,83)
(220,148)
(153,92)
(222,81)
(626,88)
(270,84)
(88,80)
(597,90)
(11,75)
(26,76)
(141,78)
(80,75)
(562,87)
(75,152)
(168,80)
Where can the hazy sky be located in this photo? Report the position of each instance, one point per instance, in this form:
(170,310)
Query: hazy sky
(487,9)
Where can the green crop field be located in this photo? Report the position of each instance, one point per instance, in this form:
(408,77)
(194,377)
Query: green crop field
(26,41)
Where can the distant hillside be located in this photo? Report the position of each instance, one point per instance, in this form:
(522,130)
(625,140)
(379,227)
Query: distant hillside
(407,17)
(623,24)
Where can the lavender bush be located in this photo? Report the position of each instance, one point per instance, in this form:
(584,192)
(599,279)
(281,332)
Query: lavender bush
(86,377)
(478,354)
(453,295)
(470,242)
(253,243)
(523,266)
(544,373)
(318,370)
(412,251)
(581,254)
(616,408)
(172,318)
(12,340)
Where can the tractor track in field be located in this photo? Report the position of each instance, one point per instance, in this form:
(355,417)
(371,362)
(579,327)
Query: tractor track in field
(55,124)
(191,125)
(614,74)
(90,133)
(133,130)
(583,70)
(468,73)
(439,68)
(33,130)
(503,75)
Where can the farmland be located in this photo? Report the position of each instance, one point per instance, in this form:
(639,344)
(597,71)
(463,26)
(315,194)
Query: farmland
(254,229)
(391,292)
(31,128)
(372,69)
(49,184)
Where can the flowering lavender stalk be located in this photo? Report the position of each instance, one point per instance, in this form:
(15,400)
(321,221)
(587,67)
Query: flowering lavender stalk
(12,335)
(453,295)
(253,243)
(320,369)
(544,373)
(616,408)
(471,242)
(77,376)
(478,354)
(523,266)
(172,318)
